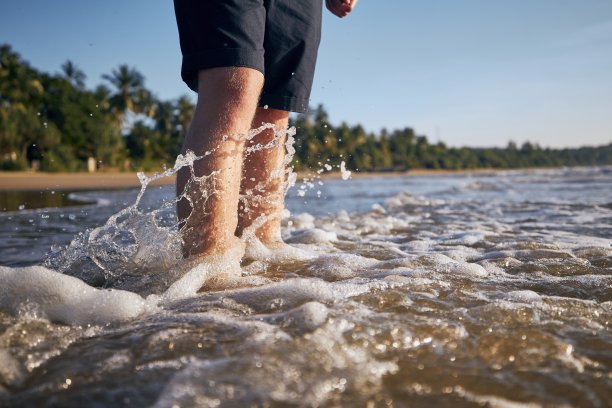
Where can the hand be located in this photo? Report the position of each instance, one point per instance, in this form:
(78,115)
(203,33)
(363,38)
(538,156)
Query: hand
(340,8)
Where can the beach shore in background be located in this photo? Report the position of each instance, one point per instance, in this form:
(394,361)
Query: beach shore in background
(35,181)
(39,181)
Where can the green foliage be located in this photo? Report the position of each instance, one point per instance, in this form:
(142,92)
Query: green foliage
(55,121)
(13,165)
(319,143)
(60,158)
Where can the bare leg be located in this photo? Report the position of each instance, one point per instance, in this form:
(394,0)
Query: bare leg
(262,186)
(227,98)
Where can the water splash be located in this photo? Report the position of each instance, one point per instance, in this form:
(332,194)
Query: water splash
(139,248)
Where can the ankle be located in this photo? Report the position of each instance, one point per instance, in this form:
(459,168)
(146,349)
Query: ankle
(213,248)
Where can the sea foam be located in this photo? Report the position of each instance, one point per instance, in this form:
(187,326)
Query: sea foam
(63,298)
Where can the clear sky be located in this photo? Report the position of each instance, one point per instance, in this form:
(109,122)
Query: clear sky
(469,72)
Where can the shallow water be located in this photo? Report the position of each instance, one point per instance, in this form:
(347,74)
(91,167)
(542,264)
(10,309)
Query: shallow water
(22,200)
(455,290)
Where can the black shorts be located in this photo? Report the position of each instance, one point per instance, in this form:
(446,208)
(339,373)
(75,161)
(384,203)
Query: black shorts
(280,38)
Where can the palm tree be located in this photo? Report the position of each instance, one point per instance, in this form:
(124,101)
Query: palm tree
(73,74)
(20,96)
(129,87)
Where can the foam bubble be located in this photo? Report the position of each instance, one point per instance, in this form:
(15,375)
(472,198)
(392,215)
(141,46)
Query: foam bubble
(289,293)
(304,318)
(302,221)
(65,299)
(463,238)
(211,272)
(298,378)
(379,209)
(339,266)
(404,199)
(280,252)
(524,296)
(313,236)
(444,264)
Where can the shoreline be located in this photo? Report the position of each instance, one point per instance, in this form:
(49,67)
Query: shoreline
(39,181)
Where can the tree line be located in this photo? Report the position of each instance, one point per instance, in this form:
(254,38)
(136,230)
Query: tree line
(54,123)
(318,143)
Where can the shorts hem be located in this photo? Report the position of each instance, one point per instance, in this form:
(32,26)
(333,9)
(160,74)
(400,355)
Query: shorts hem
(286,103)
(216,58)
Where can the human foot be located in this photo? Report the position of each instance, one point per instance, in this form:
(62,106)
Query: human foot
(213,271)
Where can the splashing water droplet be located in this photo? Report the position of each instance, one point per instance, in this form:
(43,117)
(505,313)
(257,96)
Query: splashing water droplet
(346,174)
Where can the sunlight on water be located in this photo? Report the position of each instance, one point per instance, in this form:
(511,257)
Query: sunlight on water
(461,290)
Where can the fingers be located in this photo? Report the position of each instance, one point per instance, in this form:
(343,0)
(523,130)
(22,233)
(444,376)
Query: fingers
(340,8)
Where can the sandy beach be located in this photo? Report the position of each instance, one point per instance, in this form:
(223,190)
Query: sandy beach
(39,181)
(29,181)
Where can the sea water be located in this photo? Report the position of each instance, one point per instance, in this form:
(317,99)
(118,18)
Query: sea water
(486,289)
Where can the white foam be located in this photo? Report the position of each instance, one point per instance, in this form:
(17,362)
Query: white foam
(462,254)
(290,292)
(302,221)
(527,296)
(304,318)
(87,199)
(343,216)
(593,252)
(468,269)
(295,377)
(491,268)
(211,272)
(65,299)
(463,238)
(281,252)
(419,245)
(294,292)
(405,262)
(340,266)
(404,199)
(313,236)
(443,263)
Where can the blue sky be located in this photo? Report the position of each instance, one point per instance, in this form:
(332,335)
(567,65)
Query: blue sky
(470,72)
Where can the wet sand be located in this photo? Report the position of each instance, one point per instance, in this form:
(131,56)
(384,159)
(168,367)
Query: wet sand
(30,181)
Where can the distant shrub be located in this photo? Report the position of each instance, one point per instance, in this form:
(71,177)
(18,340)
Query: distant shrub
(13,165)
(60,158)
